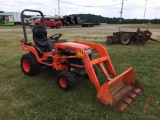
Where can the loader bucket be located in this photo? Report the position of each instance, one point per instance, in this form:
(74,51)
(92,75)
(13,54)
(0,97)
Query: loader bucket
(119,92)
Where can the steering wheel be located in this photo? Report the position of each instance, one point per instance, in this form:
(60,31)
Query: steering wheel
(55,36)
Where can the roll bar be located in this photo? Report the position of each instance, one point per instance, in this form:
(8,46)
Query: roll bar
(23,23)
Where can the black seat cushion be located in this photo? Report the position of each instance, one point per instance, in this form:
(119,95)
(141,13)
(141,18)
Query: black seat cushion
(39,35)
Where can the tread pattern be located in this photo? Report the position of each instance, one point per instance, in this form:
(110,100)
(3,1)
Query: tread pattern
(69,79)
(34,65)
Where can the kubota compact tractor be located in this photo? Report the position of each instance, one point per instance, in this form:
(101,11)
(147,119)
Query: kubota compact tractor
(75,59)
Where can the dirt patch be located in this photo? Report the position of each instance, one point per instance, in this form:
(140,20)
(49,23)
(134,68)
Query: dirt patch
(95,33)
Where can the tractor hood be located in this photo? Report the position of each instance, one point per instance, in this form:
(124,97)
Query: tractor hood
(75,45)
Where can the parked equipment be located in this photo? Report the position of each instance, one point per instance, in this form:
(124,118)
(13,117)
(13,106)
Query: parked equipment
(10,18)
(74,20)
(6,20)
(139,37)
(75,59)
(49,22)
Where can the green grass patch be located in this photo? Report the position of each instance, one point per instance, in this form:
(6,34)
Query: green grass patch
(11,27)
(142,26)
(39,97)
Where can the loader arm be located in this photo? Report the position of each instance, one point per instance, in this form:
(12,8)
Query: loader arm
(119,90)
(103,57)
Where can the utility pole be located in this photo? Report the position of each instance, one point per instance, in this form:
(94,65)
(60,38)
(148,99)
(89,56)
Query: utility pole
(145,11)
(55,12)
(121,11)
(58,8)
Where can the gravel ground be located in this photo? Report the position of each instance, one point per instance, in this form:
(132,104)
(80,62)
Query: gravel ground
(97,32)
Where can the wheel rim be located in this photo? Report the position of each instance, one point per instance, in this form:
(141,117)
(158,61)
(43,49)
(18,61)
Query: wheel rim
(62,82)
(125,40)
(26,65)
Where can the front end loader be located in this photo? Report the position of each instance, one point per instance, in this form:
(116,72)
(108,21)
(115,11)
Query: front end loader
(119,90)
(75,59)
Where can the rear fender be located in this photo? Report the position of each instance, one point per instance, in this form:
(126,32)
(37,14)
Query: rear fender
(31,49)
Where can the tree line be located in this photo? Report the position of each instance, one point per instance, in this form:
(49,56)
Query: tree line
(98,18)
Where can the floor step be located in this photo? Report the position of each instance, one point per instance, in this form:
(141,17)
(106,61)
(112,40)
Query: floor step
(49,61)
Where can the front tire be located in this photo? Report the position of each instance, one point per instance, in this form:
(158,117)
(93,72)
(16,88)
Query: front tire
(58,26)
(95,70)
(66,80)
(29,65)
(109,41)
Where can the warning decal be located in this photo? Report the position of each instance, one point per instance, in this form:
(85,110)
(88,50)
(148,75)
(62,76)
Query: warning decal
(80,53)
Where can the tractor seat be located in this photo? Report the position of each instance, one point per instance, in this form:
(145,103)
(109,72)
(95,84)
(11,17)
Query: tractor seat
(40,35)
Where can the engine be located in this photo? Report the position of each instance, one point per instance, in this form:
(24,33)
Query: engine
(75,65)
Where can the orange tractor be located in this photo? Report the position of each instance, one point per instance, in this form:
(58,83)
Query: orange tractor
(75,59)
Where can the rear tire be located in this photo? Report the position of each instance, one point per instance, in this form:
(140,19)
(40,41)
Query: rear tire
(29,65)
(66,80)
(125,39)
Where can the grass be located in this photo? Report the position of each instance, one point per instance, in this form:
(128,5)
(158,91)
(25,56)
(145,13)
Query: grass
(39,97)
(11,27)
(143,26)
